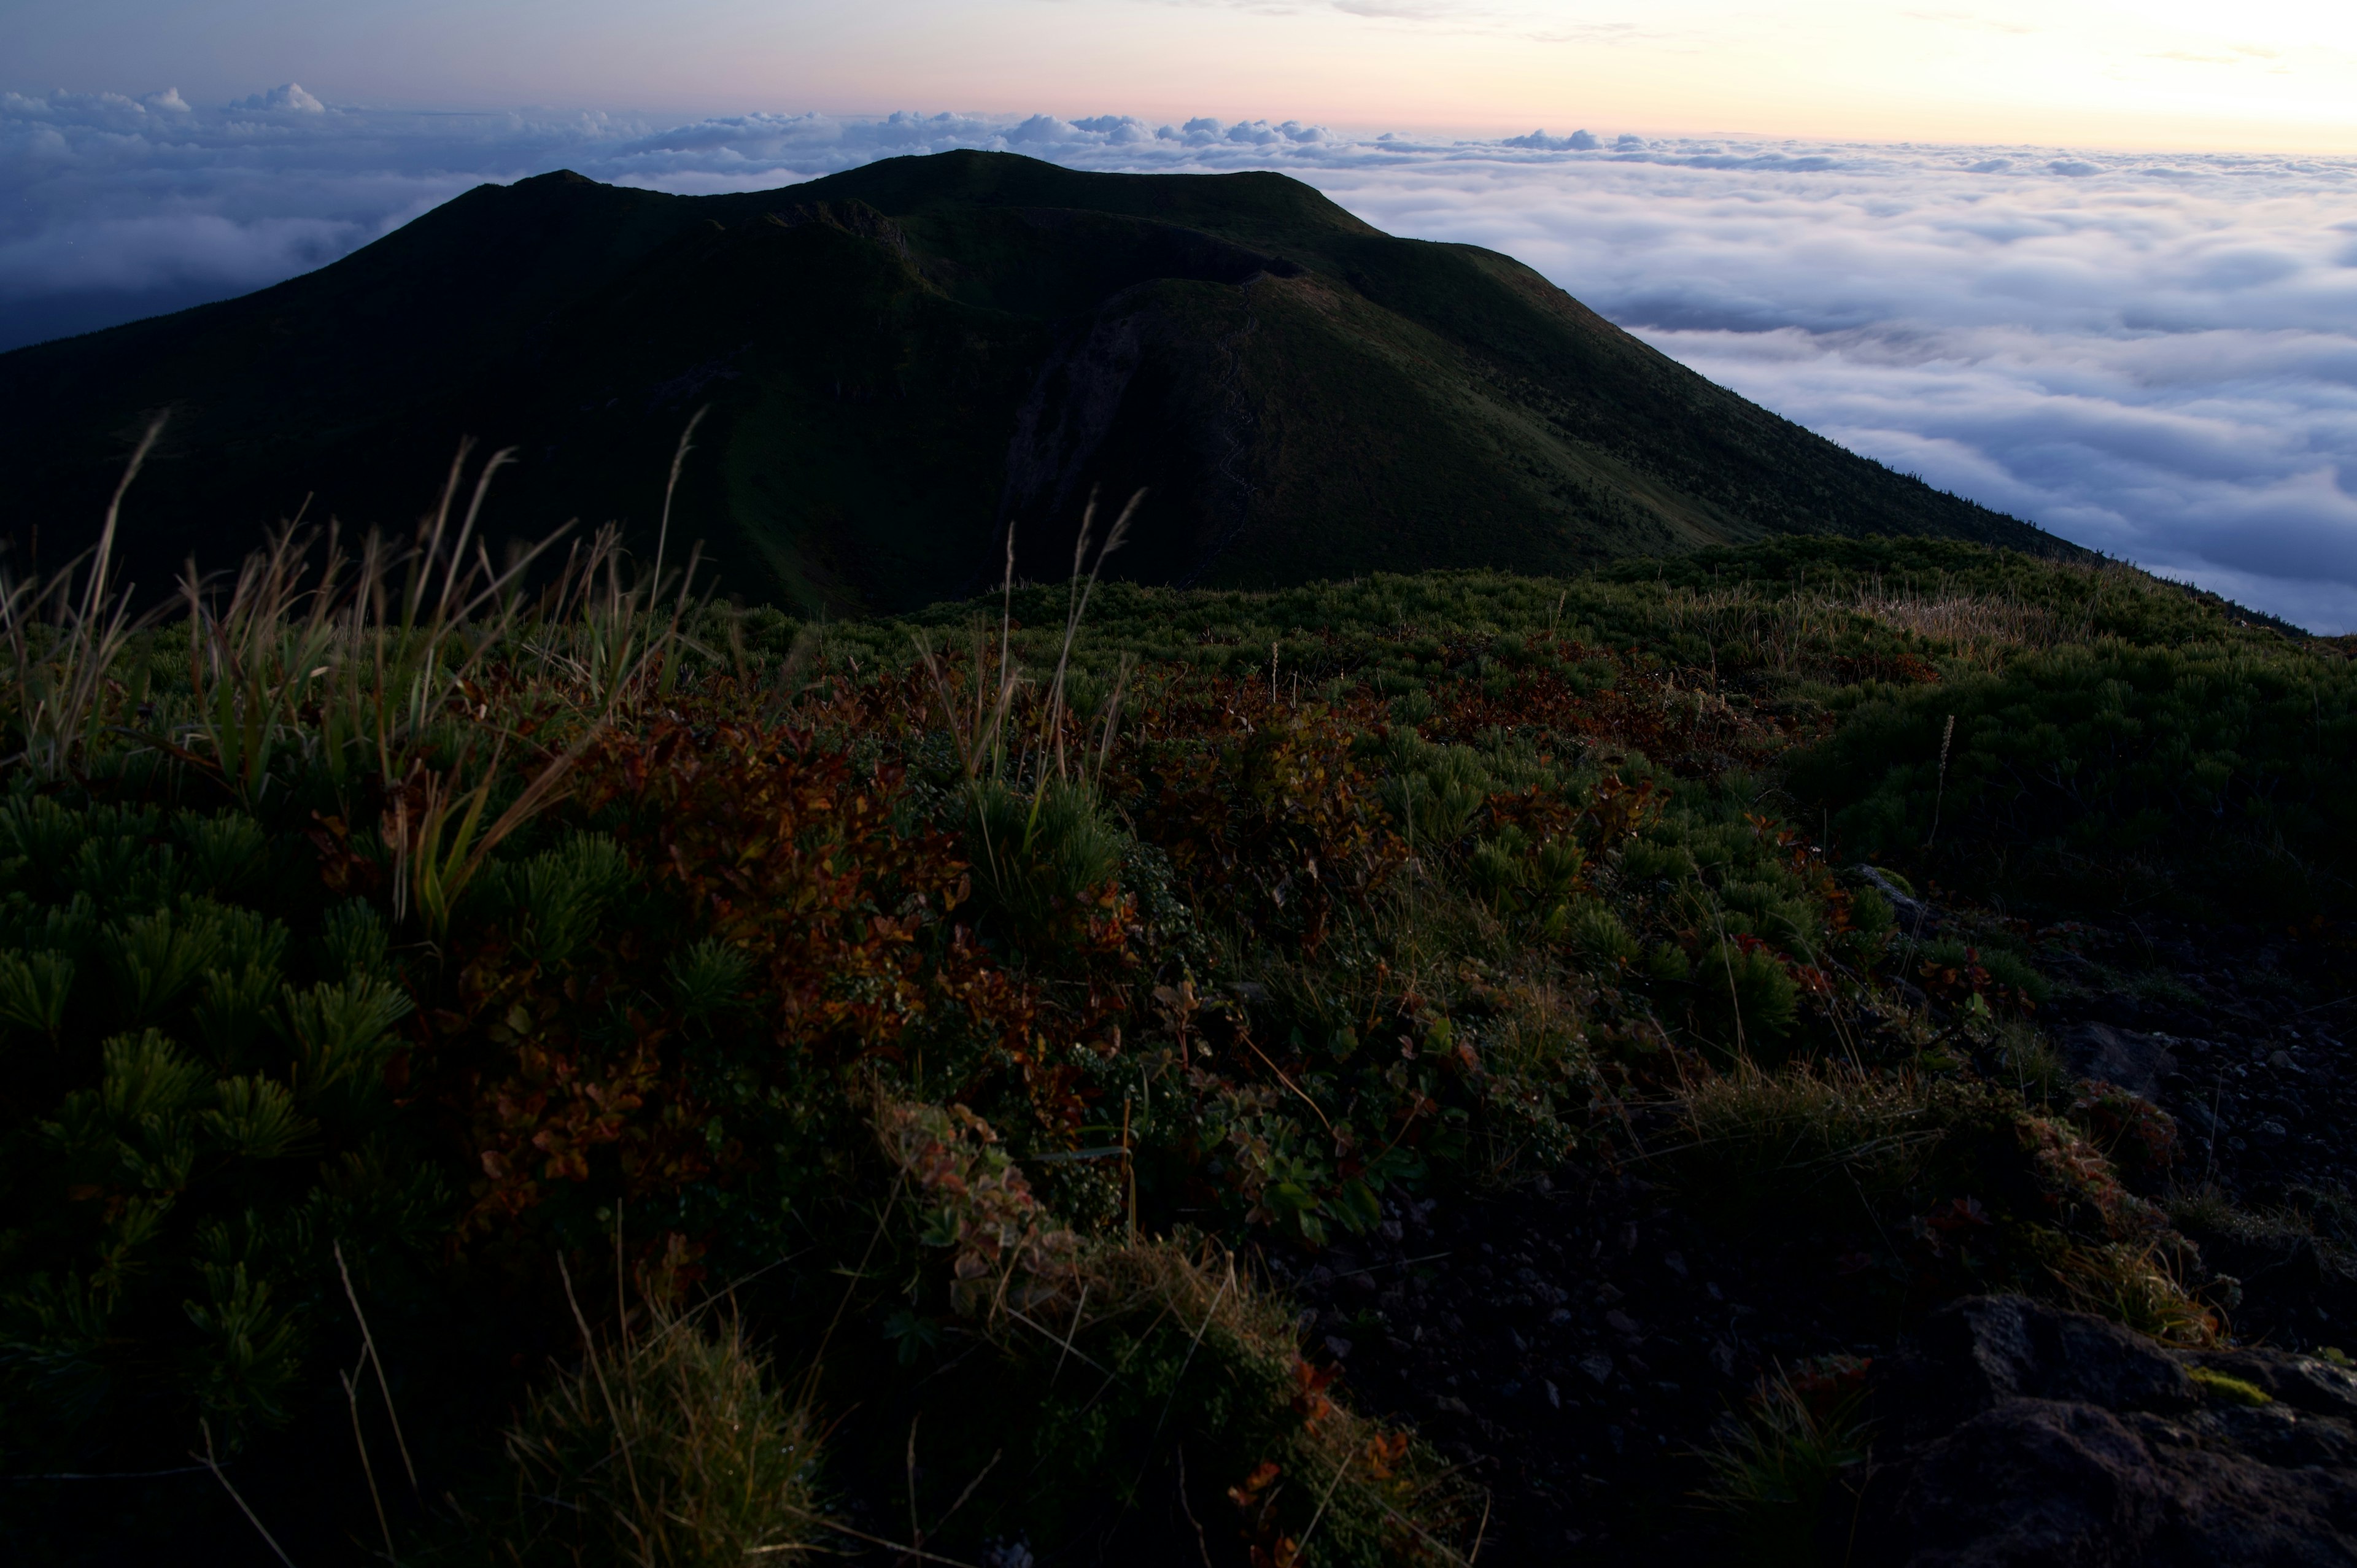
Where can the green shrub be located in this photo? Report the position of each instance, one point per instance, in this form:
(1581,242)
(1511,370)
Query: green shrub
(1039,857)
(354,939)
(2207,774)
(709,977)
(556,898)
(1999,967)
(1435,791)
(1597,936)
(200,1112)
(1666,964)
(1744,998)
(1495,870)
(1871,916)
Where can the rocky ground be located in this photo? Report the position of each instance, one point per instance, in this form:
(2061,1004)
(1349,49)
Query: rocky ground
(1573,1344)
(2245,1037)
(2009,1433)
(1571,1349)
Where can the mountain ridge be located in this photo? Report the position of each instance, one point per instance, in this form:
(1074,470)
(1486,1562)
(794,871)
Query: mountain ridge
(906,359)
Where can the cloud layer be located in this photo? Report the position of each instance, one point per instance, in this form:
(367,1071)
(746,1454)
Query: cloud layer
(2156,356)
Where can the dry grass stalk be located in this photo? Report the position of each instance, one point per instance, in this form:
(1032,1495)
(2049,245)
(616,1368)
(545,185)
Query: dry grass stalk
(1983,627)
(212,1463)
(978,737)
(370,1357)
(1078,607)
(2135,1282)
(66,643)
(368,667)
(356,666)
(1753,1133)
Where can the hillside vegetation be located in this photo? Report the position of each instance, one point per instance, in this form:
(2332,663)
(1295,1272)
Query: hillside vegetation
(578,1075)
(907,360)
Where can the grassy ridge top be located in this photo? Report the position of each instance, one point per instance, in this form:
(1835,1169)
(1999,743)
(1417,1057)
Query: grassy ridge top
(2117,737)
(1625,602)
(1254,206)
(906,361)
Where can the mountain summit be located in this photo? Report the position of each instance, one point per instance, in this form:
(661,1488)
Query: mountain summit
(906,359)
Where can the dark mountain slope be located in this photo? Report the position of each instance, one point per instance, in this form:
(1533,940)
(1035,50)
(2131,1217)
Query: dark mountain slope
(905,359)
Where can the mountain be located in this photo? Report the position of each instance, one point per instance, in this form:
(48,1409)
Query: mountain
(904,360)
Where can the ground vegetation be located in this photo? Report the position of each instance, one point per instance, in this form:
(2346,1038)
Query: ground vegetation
(532,1063)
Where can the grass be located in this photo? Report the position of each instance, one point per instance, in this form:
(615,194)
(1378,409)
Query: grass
(1804,1141)
(669,1443)
(950,1006)
(1785,1463)
(66,637)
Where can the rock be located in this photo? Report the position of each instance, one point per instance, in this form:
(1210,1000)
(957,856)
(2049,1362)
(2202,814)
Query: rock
(1979,1352)
(1910,910)
(2012,1433)
(2135,1062)
(2031,1481)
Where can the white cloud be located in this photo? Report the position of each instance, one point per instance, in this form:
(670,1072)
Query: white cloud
(2154,356)
(129,254)
(289,99)
(2159,361)
(1578,142)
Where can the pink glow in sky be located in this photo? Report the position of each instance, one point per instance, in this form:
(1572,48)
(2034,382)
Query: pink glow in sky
(2261,74)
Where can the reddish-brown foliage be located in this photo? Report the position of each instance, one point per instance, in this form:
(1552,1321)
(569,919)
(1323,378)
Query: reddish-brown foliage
(1260,806)
(778,848)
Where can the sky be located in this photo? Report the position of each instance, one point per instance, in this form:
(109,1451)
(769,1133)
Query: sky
(2094,263)
(2163,74)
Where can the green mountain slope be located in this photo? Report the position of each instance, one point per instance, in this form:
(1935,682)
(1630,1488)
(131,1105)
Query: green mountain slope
(905,360)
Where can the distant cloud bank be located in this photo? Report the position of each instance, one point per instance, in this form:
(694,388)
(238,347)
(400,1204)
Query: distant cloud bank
(2153,356)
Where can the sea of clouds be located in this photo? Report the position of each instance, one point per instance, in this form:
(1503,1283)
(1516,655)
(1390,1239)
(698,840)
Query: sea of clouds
(2153,356)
